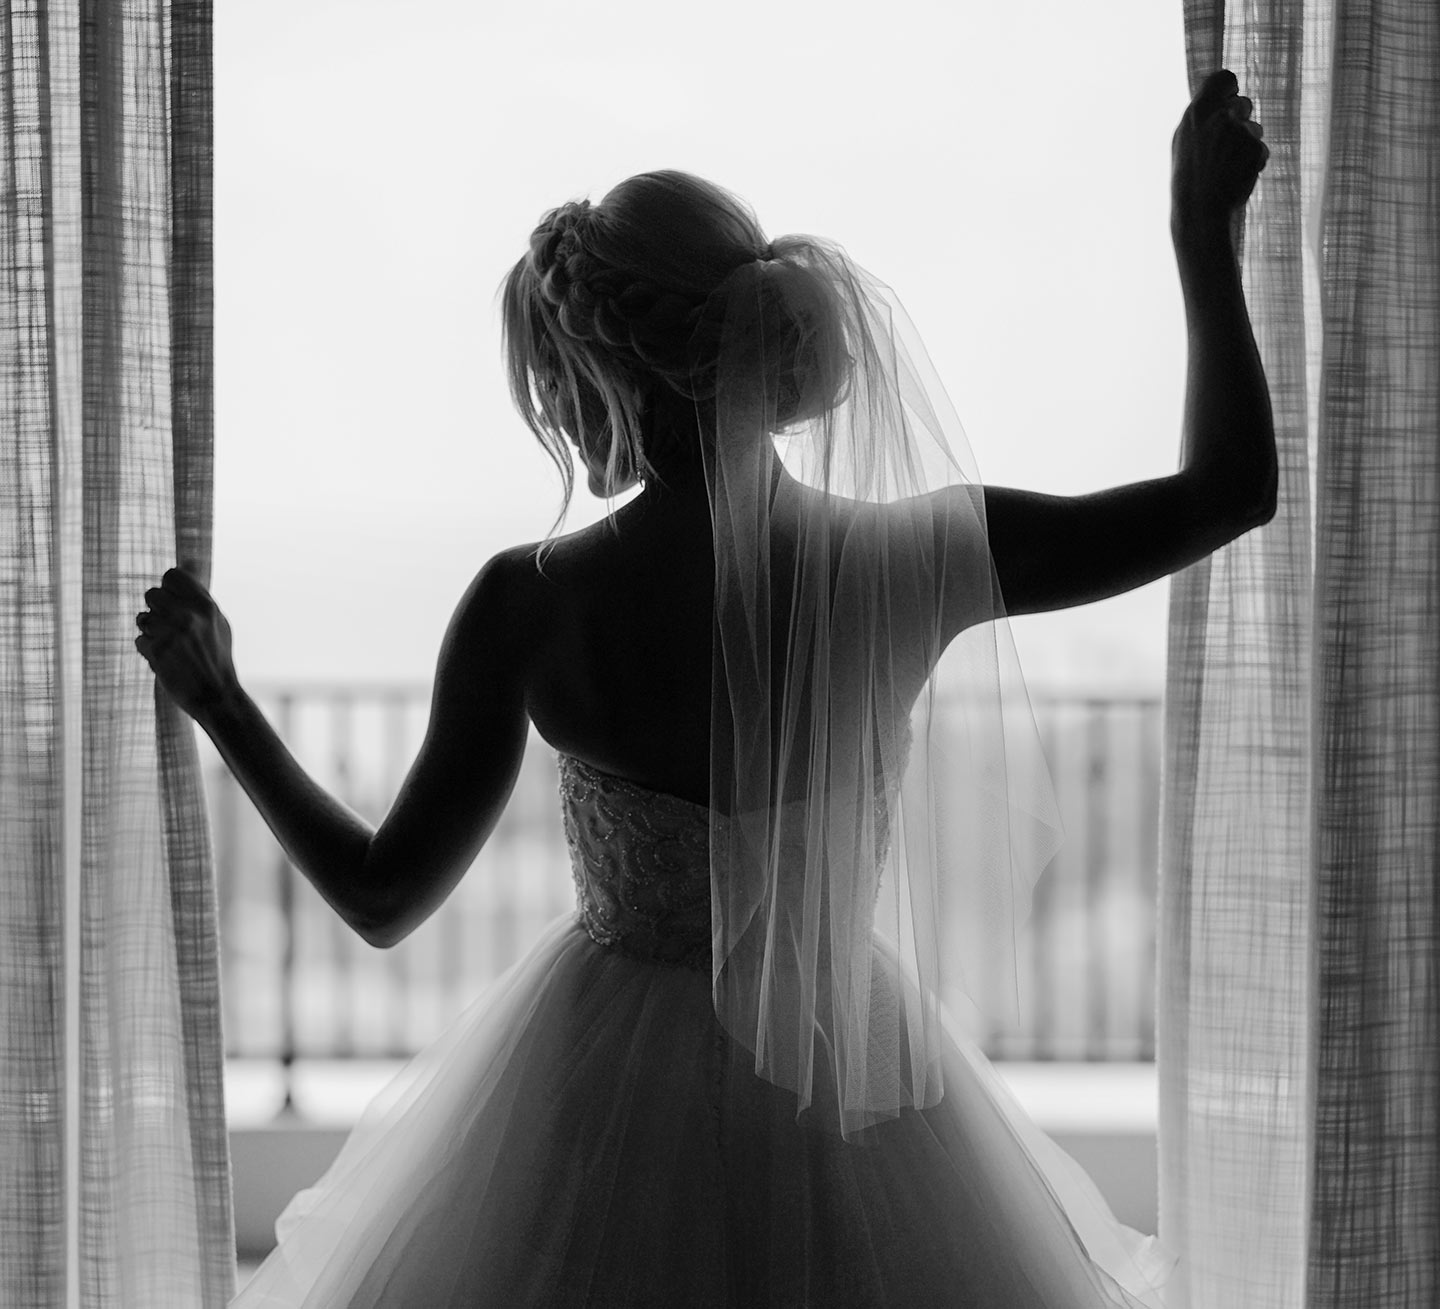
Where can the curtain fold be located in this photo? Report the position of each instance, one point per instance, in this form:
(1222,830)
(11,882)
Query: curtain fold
(1298,999)
(1375,1234)
(114,1163)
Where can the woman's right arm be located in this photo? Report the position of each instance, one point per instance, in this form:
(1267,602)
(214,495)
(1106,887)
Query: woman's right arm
(1052,552)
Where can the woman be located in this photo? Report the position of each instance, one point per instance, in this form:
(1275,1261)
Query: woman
(732,1078)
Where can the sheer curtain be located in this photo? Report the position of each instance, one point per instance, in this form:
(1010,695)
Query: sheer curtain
(114,1164)
(1299,986)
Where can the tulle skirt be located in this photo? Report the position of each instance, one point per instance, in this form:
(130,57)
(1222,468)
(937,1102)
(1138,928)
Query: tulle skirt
(586,1134)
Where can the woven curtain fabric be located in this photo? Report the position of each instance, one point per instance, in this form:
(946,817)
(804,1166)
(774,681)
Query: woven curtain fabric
(1299,989)
(114,1163)
(1375,1229)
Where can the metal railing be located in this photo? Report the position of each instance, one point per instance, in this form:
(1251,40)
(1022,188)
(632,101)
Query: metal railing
(299,984)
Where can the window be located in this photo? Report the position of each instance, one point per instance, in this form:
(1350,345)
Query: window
(1005,167)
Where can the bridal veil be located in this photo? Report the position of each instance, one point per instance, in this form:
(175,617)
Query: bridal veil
(880,804)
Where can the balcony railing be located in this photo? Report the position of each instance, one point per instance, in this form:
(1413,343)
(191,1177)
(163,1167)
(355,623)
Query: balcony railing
(299,984)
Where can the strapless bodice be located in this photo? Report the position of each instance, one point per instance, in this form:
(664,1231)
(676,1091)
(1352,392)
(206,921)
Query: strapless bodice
(640,860)
(641,864)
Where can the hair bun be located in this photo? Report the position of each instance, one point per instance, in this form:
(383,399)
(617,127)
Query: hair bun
(779,322)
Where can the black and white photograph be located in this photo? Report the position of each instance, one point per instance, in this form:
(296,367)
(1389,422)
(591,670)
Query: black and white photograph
(674,657)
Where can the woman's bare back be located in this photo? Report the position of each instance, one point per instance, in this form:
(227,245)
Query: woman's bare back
(619,653)
(620,631)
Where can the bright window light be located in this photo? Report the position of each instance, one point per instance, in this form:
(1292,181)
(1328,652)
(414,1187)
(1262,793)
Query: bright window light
(1004,167)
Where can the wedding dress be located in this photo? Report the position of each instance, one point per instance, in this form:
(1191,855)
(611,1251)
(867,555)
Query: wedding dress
(732,1077)
(587,1134)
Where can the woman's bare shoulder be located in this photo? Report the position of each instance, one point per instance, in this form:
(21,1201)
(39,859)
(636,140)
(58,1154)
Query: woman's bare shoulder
(525,570)
(499,602)
(530,583)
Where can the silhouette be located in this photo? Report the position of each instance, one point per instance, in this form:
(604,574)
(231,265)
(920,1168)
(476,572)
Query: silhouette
(597,1129)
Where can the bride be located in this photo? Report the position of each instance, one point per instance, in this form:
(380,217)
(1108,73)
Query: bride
(797,777)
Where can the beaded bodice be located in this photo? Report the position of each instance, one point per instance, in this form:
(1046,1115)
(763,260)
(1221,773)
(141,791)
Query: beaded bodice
(640,860)
(641,864)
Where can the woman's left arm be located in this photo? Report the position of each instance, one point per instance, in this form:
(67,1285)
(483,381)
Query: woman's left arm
(1051,551)
(384,881)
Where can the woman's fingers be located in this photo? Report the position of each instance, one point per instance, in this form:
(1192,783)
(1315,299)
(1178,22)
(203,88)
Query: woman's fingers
(1220,86)
(179,594)
(1256,132)
(1220,93)
(186,641)
(1218,153)
(1241,108)
(175,606)
(182,584)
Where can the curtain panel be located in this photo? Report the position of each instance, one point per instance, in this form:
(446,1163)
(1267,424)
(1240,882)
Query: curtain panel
(1299,971)
(114,1161)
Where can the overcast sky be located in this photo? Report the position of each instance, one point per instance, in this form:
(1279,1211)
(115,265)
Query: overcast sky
(379,167)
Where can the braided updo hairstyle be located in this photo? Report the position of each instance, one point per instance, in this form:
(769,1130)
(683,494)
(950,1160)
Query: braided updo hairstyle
(615,301)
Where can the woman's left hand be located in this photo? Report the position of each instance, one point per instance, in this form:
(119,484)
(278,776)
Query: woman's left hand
(186,641)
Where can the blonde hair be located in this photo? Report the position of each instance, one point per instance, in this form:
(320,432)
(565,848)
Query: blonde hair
(615,299)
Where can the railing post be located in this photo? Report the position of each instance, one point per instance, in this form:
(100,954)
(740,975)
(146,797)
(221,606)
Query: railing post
(342,962)
(1098,878)
(394,747)
(1042,1035)
(1151,751)
(286,727)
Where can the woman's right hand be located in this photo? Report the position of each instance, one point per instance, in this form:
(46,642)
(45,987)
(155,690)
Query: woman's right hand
(1216,155)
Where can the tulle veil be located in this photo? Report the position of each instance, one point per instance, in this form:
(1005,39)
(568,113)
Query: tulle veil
(880,802)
